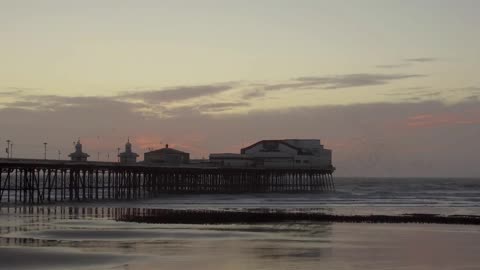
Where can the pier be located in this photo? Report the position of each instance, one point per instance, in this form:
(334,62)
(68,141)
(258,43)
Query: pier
(48,181)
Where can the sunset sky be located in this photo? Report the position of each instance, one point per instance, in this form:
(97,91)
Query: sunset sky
(393,87)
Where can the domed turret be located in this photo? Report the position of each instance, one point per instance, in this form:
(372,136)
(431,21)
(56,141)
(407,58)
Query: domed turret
(78,155)
(78,146)
(128,146)
(128,156)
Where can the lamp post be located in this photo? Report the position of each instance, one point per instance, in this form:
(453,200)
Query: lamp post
(118,154)
(98,146)
(45,151)
(59,154)
(8,149)
(11,150)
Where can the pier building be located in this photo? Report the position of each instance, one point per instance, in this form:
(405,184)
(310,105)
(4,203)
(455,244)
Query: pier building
(232,160)
(78,155)
(128,156)
(282,154)
(167,155)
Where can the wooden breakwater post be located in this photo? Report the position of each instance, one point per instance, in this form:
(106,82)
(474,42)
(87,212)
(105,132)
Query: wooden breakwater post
(34,182)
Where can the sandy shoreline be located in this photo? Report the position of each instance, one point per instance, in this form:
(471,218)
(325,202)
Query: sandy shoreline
(84,239)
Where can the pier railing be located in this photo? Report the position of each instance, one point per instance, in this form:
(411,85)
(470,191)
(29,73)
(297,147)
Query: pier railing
(34,182)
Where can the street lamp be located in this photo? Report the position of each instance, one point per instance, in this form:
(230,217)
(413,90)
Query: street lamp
(45,150)
(59,154)
(8,148)
(118,154)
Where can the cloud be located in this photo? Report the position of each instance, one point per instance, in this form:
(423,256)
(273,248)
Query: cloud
(411,91)
(27,105)
(250,94)
(421,93)
(222,106)
(392,66)
(470,89)
(56,103)
(408,62)
(198,109)
(11,93)
(177,93)
(444,119)
(415,94)
(163,102)
(422,59)
(473,98)
(341,81)
(367,139)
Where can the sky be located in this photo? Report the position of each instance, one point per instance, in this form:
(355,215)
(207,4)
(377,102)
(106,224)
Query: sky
(391,86)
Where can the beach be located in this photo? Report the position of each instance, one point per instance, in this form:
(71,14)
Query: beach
(87,236)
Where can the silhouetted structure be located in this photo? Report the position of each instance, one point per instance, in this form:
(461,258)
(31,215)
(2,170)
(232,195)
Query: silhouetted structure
(39,181)
(128,156)
(281,154)
(232,160)
(78,155)
(208,216)
(167,156)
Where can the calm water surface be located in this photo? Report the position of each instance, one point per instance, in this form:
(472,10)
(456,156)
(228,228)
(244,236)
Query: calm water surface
(84,236)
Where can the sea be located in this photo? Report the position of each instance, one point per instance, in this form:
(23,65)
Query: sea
(87,235)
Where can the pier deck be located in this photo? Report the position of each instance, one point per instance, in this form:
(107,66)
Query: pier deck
(46,181)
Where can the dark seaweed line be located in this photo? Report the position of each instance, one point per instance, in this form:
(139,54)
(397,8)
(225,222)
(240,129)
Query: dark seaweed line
(166,216)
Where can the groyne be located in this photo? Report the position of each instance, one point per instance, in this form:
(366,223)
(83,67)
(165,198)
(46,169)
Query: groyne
(276,216)
(225,216)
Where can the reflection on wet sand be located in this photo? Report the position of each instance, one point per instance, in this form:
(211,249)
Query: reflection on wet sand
(76,237)
(92,230)
(54,258)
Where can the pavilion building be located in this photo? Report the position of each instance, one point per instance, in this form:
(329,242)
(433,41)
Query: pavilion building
(287,153)
(167,156)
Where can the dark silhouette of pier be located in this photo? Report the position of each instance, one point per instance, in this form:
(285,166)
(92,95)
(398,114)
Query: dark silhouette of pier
(36,181)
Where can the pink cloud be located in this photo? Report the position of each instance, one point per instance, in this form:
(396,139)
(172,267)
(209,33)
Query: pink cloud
(443,119)
(421,117)
(146,141)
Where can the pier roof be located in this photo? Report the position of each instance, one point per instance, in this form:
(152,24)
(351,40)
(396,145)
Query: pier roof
(300,150)
(166,150)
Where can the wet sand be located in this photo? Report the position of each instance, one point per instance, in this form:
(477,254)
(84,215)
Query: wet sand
(50,240)
(55,258)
